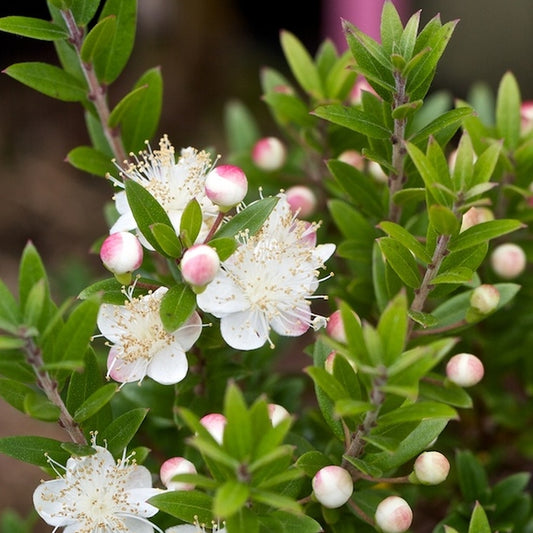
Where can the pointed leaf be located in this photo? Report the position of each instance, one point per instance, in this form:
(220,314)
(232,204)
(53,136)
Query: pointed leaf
(167,239)
(508,111)
(98,40)
(95,402)
(187,505)
(177,306)
(483,232)
(191,222)
(33,450)
(479,522)
(128,104)
(121,430)
(230,497)
(401,261)
(406,239)
(392,328)
(90,160)
(32,27)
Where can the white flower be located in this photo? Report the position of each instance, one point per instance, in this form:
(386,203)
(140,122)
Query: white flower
(173,184)
(97,494)
(140,344)
(196,528)
(268,281)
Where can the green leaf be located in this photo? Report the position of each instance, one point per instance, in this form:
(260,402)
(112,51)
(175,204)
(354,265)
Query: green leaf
(250,219)
(240,126)
(244,520)
(31,271)
(84,10)
(416,412)
(287,522)
(479,522)
(146,210)
(327,383)
(301,64)
(78,450)
(49,80)
(449,119)
(140,122)
(191,222)
(404,111)
(401,261)
(9,310)
(508,111)
(14,392)
(391,28)
(74,337)
(406,239)
(289,109)
(167,239)
(459,275)
(95,402)
(472,477)
(33,450)
(276,500)
(483,232)
(128,104)
(177,306)
(238,430)
(187,505)
(90,160)
(230,497)
(97,41)
(311,462)
(35,303)
(443,220)
(32,27)
(486,164)
(110,65)
(408,38)
(38,406)
(224,247)
(121,430)
(353,119)
(445,392)
(392,328)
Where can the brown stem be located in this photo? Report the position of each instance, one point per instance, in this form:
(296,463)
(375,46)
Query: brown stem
(443,329)
(50,388)
(214,227)
(97,92)
(360,513)
(396,178)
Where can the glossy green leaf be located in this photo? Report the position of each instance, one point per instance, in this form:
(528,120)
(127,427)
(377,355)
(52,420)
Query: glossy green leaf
(146,210)
(33,450)
(238,430)
(90,160)
(287,522)
(128,104)
(84,10)
(463,168)
(408,38)
(401,261)
(508,111)
(348,407)
(417,411)
(404,111)
(187,505)
(457,275)
(471,475)
(250,219)
(479,522)
(111,291)
(230,497)
(392,328)
(327,383)
(311,462)
(110,65)
(35,303)
(49,80)
(354,335)
(9,309)
(486,164)
(95,402)
(191,222)
(121,430)
(14,392)
(443,220)
(450,119)
(74,337)
(38,406)
(445,393)
(483,232)
(140,122)
(31,271)
(167,239)
(224,247)
(353,119)
(97,42)
(406,239)
(301,64)
(391,28)
(177,306)
(32,27)
(276,500)
(10,343)
(289,109)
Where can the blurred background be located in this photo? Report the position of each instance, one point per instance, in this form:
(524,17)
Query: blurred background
(210,52)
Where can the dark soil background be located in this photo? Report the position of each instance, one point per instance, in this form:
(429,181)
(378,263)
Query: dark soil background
(209,52)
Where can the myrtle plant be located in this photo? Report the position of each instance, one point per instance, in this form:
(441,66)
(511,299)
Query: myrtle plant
(322,330)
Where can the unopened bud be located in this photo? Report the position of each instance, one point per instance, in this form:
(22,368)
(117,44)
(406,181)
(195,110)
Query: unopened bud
(302,200)
(121,253)
(526,115)
(277,413)
(199,265)
(215,424)
(375,170)
(269,154)
(352,157)
(508,260)
(485,298)
(226,186)
(465,370)
(431,468)
(476,215)
(332,486)
(335,328)
(172,467)
(393,515)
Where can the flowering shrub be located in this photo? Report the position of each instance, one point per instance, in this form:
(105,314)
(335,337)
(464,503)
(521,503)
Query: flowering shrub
(371,236)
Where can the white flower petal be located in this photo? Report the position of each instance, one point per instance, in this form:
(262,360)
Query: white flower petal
(125,222)
(140,477)
(47,502)
(324,251)
(124,371)
(222,296)
(108,319)
(135,525)
(244,331)
(168,366)
(293,322)
(189,332)
(138,498)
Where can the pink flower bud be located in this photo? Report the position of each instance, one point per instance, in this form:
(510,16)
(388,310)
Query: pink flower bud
(485,298)
(393,515)
(476,215)
(465,370)
(330,361)
(199,265)
(269,154)
(226,186)
(277,413)
(215,424)
(121,253)
(526,114)
(352,157)
(302,200)
(335,327)
(508,260)
(431,468)
(332,486)
(172,467)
